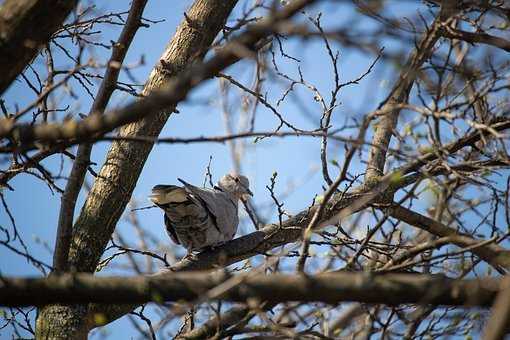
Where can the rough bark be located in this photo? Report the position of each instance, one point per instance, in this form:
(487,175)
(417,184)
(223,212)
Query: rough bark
(113,187)
(19,41)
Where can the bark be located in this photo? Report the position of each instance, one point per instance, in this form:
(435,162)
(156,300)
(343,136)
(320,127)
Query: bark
(124,162)
(331,288)
(19,40)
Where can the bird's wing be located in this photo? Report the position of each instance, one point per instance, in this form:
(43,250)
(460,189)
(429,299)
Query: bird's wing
(220,206)
(206,199)
(170,229)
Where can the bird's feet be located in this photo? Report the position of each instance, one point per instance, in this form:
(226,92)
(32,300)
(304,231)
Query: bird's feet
(210,248)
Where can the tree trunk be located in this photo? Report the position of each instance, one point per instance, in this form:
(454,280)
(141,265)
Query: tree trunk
(113,187)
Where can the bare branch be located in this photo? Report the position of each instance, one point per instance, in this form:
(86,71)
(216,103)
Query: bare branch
(159,100)
(329,288)
(81,163)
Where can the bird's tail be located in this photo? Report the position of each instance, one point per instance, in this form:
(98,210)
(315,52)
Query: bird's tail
(166,194)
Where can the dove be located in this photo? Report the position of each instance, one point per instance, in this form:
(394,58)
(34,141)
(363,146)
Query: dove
(198,218)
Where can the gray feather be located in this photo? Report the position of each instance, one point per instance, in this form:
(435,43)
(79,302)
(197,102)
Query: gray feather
(197,217)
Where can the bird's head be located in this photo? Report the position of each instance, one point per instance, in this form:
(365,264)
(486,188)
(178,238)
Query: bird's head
(237,185)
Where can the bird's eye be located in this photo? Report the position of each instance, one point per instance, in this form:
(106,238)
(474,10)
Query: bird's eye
(236,179)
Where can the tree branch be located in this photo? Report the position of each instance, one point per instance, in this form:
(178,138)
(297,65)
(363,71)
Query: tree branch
(220,323)
(161,98)
(81,163)
(399,95)
(499,323)
(477,37)
(272,236)
(19,41)
(332,288)
(493,254)
(113,187)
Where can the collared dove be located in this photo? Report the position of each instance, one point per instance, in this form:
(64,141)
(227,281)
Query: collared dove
(198,217)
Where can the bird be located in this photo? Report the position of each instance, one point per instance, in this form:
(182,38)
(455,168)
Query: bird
(201,218)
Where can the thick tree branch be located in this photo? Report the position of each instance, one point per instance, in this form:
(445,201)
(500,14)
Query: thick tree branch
(25,26)
(473,38)
(493,254)
(399,95)
(499,323)
(392,289)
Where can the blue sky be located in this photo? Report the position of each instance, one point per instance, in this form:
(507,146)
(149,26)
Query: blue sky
(295,159)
